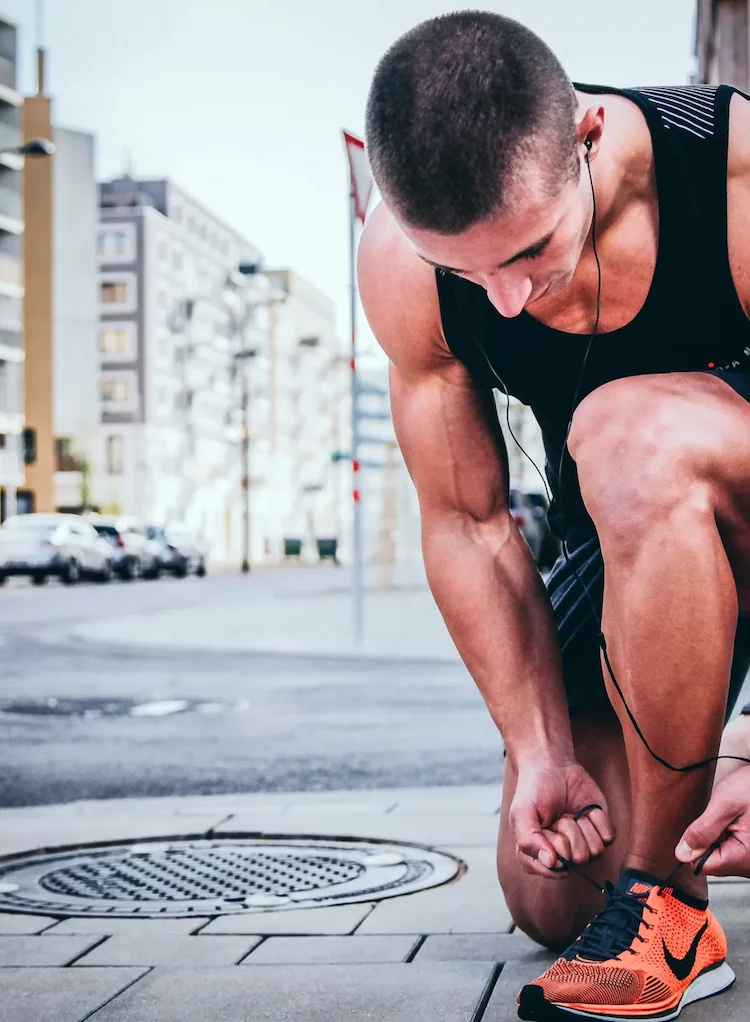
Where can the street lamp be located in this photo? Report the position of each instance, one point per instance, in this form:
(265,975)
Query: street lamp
(243,356)
(34,147)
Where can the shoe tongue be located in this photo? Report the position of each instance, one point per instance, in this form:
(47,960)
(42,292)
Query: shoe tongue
(637,883)
(613,929)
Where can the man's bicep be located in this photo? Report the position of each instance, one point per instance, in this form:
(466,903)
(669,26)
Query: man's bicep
(451,441)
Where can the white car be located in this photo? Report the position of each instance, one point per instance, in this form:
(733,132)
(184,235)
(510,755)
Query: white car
(41,545)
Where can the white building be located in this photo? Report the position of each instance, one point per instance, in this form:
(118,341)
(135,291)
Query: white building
(185,327)
(166,356)
(11,278)
(300,417)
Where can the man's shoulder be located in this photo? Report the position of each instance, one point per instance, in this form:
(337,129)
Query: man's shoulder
(398,291)
(739,138)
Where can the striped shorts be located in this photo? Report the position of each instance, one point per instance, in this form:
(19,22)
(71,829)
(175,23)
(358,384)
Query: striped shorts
(578,630)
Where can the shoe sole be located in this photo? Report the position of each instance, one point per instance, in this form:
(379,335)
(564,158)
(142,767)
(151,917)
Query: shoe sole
(534,1007)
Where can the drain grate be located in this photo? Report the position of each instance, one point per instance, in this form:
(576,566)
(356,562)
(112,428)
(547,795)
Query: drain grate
(220,876)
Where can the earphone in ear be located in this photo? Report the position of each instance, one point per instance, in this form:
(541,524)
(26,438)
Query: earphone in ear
(588,144)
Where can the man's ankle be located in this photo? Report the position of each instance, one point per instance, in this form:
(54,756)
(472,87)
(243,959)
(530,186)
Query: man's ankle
(685,880)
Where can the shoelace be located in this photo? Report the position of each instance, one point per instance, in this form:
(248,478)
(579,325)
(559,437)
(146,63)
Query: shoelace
(570,867)
(614,929)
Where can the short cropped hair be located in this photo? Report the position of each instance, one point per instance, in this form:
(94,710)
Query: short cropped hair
(456,106)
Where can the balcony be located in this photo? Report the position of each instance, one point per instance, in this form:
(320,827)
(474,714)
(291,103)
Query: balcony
(11,470)
(7,72)
(10,134)
(11,277)
(10,203)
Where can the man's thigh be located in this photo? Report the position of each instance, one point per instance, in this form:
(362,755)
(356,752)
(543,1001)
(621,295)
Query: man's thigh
(554,912)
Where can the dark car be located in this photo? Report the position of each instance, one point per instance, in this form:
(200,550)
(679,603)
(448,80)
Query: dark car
(132,556)
(551,545)
(178,549)
(59,545)
(526,519)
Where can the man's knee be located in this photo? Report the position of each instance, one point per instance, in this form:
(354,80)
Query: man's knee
(635,461)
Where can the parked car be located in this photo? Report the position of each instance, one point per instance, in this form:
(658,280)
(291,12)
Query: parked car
(178,549)
(528,523)
(40,545)
(551,545)
(132,556)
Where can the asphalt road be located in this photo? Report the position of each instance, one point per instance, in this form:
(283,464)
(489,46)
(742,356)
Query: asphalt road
(98,721)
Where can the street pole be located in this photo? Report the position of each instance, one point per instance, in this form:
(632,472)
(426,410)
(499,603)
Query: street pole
(245,462)
(357,559)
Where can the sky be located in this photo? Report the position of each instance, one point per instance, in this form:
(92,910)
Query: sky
(242,102)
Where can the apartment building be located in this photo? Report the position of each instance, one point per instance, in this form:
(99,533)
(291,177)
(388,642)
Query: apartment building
(301,411)
(11,279)
(168,301)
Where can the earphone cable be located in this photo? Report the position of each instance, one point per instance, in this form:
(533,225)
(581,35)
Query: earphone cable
(594,609)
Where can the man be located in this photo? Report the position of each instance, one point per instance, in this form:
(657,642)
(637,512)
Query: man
(480,270)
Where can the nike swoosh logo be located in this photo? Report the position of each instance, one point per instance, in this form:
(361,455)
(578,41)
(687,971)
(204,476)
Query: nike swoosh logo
(682,967)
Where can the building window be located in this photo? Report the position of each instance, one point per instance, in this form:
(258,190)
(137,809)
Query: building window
(162,251)
(177,260)
(114,341)
(114,454)
(112,243)
(116,390)
(114,292)
(65,457)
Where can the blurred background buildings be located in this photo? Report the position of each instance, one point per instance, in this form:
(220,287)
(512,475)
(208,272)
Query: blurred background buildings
(158,368)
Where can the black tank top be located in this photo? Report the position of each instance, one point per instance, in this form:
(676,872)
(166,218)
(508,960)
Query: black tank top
(692,318)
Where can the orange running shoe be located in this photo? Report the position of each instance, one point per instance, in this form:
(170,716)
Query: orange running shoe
(648,953)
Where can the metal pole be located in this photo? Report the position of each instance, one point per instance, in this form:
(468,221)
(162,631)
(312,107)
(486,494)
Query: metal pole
(244,359)
(357,559)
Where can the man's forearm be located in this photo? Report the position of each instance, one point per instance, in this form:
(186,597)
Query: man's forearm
(496,608)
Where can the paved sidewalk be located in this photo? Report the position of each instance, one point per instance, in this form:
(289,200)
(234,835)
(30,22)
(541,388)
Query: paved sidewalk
(442,955)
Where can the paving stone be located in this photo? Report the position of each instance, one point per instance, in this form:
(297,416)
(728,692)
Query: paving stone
(484,947)
(339,919)
(110,927)
(10,922)
(434,992)
(331,950)
(60,995)
(432,830)
(472,904)
(23,950)
(170,950)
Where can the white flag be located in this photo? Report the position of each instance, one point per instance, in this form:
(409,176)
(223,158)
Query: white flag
(361,175)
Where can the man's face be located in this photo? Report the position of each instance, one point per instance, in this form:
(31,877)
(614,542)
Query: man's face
(530,251)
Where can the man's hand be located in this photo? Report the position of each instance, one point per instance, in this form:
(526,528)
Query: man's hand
(542,813)
(727,817)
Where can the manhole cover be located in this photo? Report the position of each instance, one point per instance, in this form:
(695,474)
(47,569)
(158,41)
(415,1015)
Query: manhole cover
(215,877)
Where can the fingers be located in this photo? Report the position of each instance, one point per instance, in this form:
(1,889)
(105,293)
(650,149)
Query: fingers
(599,818)
(576,836)
(706,830)
(547,863)
(730,859)
(535,850)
